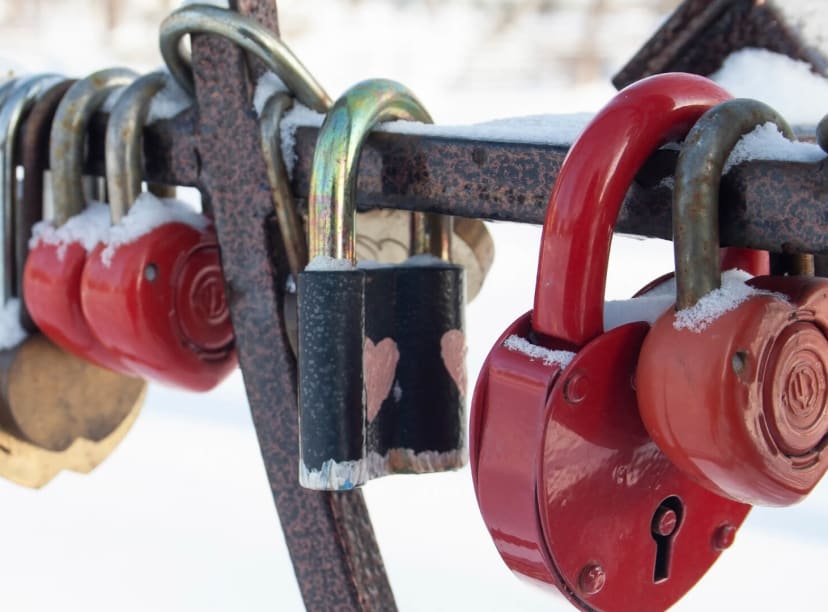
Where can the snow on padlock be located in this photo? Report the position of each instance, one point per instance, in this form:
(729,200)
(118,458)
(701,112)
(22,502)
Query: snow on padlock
(733,381)
(58,248)
(153,290)
(381,348)
(573,490)
(58,410)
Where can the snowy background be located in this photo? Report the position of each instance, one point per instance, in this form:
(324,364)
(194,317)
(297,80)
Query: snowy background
(180,518)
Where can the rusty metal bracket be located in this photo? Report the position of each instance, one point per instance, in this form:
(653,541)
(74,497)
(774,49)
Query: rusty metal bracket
(329,535)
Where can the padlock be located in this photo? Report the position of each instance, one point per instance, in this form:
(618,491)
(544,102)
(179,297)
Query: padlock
(574,492)
(351,322)
(416,418)
(51,280)
(153,290)
(732,381)
(58,411)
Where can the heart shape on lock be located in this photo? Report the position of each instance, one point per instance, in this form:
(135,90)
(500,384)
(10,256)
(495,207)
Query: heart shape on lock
(379,365)
(153,293)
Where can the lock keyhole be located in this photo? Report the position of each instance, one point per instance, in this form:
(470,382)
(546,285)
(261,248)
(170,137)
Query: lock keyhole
(664,527)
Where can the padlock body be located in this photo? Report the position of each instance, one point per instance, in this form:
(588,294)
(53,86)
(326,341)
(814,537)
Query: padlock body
(52,291)
(569,482)
(159,304)
(741,406)
(430,387)
(331,309)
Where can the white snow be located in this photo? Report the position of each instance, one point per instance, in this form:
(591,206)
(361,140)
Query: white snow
(424,260)
(733,292)
(533,351)
(767,142)
(328,264)
(646,308)
(219,3)
(11,332)
(147,213)
(345,475)
(787,85)
(267,85)
(168,102)
(87,228)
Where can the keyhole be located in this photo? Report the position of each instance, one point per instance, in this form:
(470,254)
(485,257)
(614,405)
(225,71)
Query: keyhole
(665,526)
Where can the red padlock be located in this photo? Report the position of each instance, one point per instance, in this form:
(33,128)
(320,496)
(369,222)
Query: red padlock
(153,291)
(733,382)
(52,274)
(572,488)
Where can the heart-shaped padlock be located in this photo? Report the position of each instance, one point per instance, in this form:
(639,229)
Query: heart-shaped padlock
(572,488)
(153,290)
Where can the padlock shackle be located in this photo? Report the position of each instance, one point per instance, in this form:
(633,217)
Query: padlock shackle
(18,98)
(287,214)
(589,191)
(332,201)
(696,192)
(125,142)
(68,137)
(248,34)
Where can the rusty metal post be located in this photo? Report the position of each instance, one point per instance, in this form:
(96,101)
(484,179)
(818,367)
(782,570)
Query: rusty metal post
(329,535)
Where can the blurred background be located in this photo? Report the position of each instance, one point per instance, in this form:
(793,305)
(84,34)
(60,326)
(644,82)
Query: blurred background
(181,516)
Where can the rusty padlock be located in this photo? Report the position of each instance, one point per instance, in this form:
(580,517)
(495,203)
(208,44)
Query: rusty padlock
(733,381)
(573,490)
(58,411)
(152,291)
(352,320)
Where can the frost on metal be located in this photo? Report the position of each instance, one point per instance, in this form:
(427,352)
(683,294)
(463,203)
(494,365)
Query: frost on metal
(88,229)
(11,332)
(549,357)
(267,85)
(323,263)
(345,475)
(148,213)
(733,292)
(169,101)
(766,142)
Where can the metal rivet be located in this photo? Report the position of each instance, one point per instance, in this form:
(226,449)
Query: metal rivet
(576,388)
(665,522)
(739,361)
(151,272)
(723,537)
(592,579)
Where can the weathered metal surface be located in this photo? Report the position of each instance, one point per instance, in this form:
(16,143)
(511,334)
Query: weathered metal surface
(700,34)
(329,535)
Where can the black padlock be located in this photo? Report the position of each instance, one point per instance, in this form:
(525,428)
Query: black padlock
(376,394)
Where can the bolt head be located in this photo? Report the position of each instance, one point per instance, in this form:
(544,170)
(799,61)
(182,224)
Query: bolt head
(724,537)
(592,579)
(665,522)
(576,388)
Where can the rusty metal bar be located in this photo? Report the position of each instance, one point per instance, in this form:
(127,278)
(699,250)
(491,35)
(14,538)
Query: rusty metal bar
(700,34)
(329,535)
(772,205)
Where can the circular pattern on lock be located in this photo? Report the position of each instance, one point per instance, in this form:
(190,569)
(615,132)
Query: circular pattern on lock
(795,399)
(200,303)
